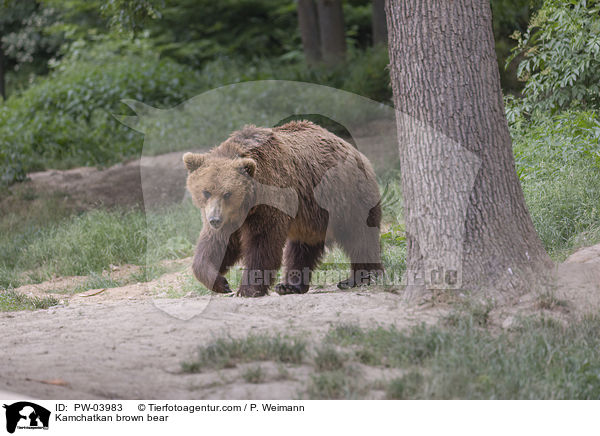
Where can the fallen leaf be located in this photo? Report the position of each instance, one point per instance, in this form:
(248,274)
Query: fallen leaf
(53,382)
(91,294)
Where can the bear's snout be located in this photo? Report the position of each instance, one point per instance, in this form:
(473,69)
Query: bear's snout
(215,222)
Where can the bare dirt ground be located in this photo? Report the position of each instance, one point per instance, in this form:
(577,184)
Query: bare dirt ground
(128,342)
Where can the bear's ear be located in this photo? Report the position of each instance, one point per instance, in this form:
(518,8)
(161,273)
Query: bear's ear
(193,161)
(247,166)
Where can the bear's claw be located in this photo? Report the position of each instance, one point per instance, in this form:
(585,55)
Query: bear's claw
(287,289)
(249,291)
(221,286)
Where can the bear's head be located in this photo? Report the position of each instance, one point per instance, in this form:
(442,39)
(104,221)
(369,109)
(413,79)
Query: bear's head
(222,187)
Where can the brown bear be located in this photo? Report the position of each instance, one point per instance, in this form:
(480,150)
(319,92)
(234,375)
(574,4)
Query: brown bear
(268,194)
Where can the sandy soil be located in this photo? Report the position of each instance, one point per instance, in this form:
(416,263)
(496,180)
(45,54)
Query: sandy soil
(123,344)
(128,342)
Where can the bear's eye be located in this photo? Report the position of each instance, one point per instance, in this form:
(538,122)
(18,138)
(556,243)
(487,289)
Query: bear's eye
(206,194)
(227,195)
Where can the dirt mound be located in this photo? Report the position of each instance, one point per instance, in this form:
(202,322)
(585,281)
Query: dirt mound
(163,179)
(586,255)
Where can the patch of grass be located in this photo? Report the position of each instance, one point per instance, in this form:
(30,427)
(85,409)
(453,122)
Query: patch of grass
(405,387)
(540,359)
(189,286)
(345,334)
(253,374)
(558,162)
(549,301)
(328,358)
(98,281)
(470,311)
(228,352)
(389,346)
(90,242)
(22,209)
(11,300)
(334,385)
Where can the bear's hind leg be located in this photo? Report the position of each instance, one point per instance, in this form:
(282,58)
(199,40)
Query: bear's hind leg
(364,250)
(299,259)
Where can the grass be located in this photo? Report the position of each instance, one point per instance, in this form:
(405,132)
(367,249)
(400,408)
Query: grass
(328,359)
(542,359)
(188,286)
(459,358)
(558,162)
(229,352)
(405,387)
(11,300)
(253,374)
(34,248)
(549,301)
(335,385)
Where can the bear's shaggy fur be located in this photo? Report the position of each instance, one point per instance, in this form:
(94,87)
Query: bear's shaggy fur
(272,194)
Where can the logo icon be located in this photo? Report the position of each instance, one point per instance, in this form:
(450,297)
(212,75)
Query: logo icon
(26,415)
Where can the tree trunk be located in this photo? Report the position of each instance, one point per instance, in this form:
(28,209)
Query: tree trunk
(467,225)
(309,31)
(332,31)
(2,79)
(378,22)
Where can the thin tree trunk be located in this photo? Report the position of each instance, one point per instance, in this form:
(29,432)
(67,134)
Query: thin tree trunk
(378,22)
(467,225)
(309,31)
(2,78)
(332,31)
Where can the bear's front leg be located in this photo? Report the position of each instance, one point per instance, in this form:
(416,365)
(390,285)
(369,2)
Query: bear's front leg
(262,254)
(212,250)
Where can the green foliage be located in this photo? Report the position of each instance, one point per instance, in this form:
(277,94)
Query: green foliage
(24,37)
(196,31)
(561,56)
(558,161)
(66,119)
(509,16)
(130,15)
(11,300)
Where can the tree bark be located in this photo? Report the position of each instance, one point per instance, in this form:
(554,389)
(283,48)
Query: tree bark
(378,22)
(332,31)
(467,225)
(309,31)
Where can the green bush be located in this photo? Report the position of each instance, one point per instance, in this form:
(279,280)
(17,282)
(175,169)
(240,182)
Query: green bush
(66,119)
(558,161)
(561,56)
